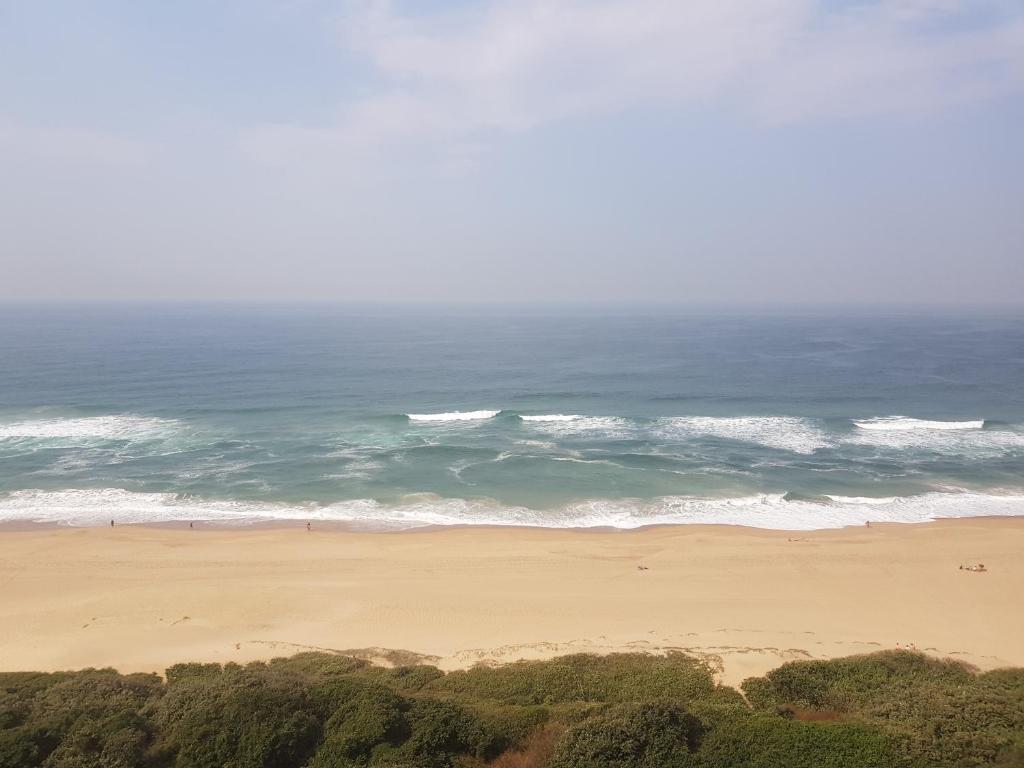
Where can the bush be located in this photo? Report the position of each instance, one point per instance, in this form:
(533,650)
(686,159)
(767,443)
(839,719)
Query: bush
(179,672)
(891,710)
(65,720)
(938,712)
(763,741)
(613,678)
(652,735)
(441,730)
(509,726)
(255,717)
(374,716)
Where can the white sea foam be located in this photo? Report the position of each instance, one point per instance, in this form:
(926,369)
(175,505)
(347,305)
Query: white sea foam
(552,417)
(112,427)
(356,469)
(453,416)
(903,424)
(545,445)
(786,433)
(568,426)
(771,511)
(774,511)
(955,438)
(574,460)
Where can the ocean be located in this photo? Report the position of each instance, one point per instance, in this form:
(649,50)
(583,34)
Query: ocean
(387,418)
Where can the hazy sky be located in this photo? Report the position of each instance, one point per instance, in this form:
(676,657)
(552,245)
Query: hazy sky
(638,150)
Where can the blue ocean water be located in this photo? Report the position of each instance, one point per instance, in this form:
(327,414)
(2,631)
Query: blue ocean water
(385,417)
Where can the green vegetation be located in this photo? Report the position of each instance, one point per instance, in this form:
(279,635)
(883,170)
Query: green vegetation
(895,709)
(937,712)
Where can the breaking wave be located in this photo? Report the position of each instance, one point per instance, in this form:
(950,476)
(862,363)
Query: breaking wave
(453,416)
(969,439)
(903,424)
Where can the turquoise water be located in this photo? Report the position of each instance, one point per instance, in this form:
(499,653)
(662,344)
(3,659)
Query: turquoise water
(387,417)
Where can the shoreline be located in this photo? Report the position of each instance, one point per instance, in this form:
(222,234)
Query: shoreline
(346,526)
(140,597)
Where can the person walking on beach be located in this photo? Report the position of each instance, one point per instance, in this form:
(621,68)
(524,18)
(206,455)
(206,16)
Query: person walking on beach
(309,526)
(111,523)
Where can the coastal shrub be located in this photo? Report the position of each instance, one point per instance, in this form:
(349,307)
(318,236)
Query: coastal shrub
(510,726)
(890,710)
(317,665)
(65,720)
(856,682)
(938,712)
(651,735)
(22,747)
(409,679)
(766,741)
(441,730)
(372,717)
(113,742)
(21,743)
(253,717)
(179,672)
(612,678)
(327,696)
(92,694)
(17,692)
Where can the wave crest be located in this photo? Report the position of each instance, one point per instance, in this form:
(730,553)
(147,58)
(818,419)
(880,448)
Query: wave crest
(904,424)
(453,416)
(968,439)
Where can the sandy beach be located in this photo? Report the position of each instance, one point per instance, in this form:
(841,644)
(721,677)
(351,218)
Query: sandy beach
(139,598)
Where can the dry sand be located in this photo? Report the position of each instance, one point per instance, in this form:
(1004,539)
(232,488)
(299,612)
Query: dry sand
(140,598)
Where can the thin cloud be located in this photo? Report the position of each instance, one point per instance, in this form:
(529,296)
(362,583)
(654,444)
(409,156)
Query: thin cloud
(510,67)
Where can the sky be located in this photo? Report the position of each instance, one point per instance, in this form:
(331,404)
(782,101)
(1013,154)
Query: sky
(855,152)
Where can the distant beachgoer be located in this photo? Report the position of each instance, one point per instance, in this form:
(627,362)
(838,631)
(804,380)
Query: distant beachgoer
(867,523)
(309,526)
(111,523)
(190,524)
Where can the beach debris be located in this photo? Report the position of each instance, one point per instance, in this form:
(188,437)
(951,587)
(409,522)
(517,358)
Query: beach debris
(642,568)
(975,568)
